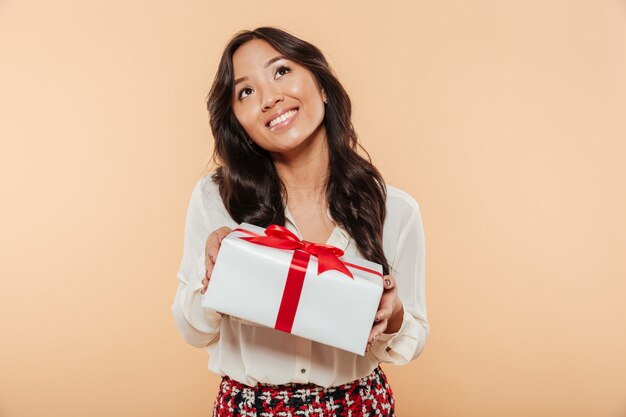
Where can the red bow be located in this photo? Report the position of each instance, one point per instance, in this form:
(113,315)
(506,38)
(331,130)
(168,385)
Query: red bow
(281,238)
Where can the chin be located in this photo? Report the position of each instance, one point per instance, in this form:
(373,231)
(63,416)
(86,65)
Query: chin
(285,149)
(287,144)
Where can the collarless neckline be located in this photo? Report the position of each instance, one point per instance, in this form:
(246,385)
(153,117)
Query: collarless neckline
(338,237)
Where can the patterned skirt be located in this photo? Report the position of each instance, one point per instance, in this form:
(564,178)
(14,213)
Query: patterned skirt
(368,396)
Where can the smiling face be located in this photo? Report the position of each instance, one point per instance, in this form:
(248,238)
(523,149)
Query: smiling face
(277,101)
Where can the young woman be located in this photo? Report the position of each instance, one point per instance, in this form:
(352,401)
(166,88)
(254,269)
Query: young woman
(287,155)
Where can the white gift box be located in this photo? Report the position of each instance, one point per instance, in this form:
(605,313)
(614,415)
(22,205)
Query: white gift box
(279,289)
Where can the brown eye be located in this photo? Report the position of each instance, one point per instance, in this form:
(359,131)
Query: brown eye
(282,70)
(246,90)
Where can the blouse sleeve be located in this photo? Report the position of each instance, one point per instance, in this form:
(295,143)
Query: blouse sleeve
(198,326)
(408,268)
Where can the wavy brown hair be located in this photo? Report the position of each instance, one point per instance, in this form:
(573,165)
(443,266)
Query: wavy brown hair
(249,184)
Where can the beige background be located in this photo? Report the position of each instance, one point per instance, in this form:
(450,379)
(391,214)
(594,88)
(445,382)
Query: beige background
(505,120)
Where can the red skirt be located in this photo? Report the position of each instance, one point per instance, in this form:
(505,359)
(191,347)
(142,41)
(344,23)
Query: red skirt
(368,396)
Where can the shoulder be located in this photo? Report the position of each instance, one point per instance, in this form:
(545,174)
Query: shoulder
(400,203)
(206,185)
(403,219)
(403,213)
(207,193)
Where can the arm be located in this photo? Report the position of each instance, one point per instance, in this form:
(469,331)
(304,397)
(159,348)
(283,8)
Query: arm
(408,268)
(197,325)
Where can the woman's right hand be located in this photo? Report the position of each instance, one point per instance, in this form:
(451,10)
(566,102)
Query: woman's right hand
(213,242)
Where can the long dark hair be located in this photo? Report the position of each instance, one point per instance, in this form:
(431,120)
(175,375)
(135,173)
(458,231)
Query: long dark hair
(249,184)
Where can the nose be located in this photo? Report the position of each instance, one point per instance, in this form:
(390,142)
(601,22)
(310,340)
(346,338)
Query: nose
(271,97)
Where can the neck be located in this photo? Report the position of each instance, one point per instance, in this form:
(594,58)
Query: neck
(304,170)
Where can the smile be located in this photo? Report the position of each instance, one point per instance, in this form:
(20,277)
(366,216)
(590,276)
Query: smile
(283,119)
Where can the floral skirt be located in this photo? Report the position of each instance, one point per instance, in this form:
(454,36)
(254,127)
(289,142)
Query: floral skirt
(368,396)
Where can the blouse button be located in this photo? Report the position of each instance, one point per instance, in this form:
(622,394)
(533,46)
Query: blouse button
(303,370)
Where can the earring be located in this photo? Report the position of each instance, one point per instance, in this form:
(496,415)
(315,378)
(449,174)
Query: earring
(250,141)
(325,100)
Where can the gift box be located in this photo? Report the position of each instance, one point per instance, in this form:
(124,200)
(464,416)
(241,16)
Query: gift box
(272,278)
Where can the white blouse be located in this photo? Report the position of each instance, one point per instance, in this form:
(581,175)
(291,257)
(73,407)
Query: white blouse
(251,353)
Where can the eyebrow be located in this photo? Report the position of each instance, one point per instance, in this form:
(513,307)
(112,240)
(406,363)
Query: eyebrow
(267,64)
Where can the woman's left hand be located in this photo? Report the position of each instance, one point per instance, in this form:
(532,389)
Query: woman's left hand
(390,311)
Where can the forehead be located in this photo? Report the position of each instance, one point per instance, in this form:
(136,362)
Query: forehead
(251,56)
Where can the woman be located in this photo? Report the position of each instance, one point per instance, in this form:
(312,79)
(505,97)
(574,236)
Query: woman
(287,155)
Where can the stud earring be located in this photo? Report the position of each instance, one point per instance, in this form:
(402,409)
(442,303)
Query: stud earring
(325,100)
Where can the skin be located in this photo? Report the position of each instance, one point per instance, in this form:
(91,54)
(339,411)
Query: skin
(299,152)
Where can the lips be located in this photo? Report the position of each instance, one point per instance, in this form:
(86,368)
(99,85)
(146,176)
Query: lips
(278,115)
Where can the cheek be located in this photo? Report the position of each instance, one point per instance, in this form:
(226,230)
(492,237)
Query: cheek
(316,106)
(304,88)
(245,119)
(307,93)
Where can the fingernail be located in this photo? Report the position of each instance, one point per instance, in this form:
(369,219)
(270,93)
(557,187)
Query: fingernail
(377,318)
(388,282)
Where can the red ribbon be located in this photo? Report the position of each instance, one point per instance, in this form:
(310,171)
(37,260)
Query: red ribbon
(280,237)
(327,259)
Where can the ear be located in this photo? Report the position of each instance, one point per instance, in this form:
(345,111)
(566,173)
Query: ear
(324,96)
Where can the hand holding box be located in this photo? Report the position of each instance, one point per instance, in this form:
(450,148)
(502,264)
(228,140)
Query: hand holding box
(271,277)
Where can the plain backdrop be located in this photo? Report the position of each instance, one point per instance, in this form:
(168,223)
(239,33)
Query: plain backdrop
(504,119)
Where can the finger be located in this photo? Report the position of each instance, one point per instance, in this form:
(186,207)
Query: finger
(212,247)
(222,232)
(208,257)
(205,283)
(383,315)
(385,309)
(389,282)
(377,330)
(208,266)
(218,235)
(214,242)
(209,269)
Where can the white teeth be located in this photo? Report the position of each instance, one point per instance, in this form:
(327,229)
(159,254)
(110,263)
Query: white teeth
(282,117)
